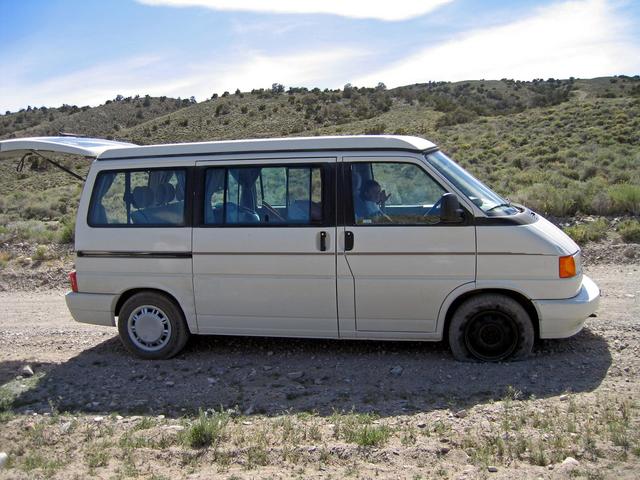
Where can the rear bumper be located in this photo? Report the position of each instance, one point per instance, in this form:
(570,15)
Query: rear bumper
(93,308)
(566,317)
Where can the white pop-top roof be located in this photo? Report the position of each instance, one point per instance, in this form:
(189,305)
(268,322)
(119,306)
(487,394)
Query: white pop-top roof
(87,147)
(107,149)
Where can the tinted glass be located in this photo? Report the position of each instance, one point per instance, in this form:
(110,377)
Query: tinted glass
(391,192)
(138,198)
(261,196)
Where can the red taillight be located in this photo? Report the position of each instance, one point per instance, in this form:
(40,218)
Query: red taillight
(74,281)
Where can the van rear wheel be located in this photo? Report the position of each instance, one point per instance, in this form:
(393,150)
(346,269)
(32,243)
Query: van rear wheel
(152,327)
(491,328)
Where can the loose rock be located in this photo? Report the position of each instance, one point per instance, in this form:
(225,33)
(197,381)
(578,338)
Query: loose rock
(569,464)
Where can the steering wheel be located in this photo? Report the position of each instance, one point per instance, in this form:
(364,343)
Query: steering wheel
(235,209)
(244,209)
(272,211)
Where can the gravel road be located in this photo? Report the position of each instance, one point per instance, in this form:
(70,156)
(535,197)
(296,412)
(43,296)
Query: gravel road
(86,408)
(88,370)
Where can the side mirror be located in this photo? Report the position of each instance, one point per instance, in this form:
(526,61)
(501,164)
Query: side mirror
(450,211)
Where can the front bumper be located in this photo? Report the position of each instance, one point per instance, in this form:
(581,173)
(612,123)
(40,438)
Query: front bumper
(93,308)
(566,317)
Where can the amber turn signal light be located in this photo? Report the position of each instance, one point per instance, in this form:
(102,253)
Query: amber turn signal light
(567,267)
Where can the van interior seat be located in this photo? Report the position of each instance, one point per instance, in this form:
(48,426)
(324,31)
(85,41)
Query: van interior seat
(164,193)
(152,207)
(142,197)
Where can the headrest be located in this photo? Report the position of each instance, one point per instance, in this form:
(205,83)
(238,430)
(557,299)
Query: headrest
(142,197)
(164,193)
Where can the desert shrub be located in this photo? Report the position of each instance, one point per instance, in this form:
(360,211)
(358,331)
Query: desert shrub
(4,259)
(629,230)
(601,203)
(547,199)
(626,198)
(222,109)
(588,232)
(377,129)
(455,117)
(30,230)
(588,172)
(40,253)
(67,233)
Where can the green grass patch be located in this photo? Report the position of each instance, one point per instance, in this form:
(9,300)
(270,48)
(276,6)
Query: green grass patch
(37,461)
(360,429)
(206,431)
(369,435)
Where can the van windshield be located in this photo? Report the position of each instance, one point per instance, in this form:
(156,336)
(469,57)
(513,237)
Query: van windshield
(486,199)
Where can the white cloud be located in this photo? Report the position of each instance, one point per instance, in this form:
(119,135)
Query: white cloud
(157,75)
(260,70)
(580,39)
(377,9)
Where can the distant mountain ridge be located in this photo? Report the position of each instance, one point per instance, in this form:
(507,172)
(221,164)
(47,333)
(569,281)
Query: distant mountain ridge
(561,146)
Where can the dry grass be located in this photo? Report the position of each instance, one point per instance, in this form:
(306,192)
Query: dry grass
(597,430)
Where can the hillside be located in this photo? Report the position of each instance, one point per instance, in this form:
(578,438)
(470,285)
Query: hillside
(563,147)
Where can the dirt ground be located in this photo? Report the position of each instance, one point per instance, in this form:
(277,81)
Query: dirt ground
(315,408)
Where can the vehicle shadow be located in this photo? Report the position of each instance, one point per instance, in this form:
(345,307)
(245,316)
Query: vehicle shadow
(271,376)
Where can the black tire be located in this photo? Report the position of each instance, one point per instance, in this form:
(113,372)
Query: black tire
(491,328)
(167,320)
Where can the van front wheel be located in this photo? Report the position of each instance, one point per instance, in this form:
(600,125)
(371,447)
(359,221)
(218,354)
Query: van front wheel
(491,328)
(152,327)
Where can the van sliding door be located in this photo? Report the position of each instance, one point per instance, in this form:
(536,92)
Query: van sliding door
(264,247)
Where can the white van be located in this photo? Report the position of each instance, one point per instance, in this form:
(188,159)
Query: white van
(357,237)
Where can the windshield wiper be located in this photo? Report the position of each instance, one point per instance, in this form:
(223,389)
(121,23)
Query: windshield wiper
(498,206)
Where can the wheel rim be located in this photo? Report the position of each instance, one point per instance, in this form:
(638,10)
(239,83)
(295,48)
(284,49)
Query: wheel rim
(149,328)
(491,336)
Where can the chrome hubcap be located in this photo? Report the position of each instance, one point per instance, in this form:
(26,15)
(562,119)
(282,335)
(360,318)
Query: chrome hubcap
(149,328)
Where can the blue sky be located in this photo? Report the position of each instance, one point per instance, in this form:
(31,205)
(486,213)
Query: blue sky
(84,52)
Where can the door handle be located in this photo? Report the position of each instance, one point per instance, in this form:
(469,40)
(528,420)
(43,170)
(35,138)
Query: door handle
(323,241)
(348,241)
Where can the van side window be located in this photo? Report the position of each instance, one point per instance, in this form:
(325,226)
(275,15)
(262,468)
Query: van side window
(269,195)
(394,193)
(138,198)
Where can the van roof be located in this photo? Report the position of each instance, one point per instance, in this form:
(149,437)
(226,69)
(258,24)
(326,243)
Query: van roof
(352,142)
(111,150)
